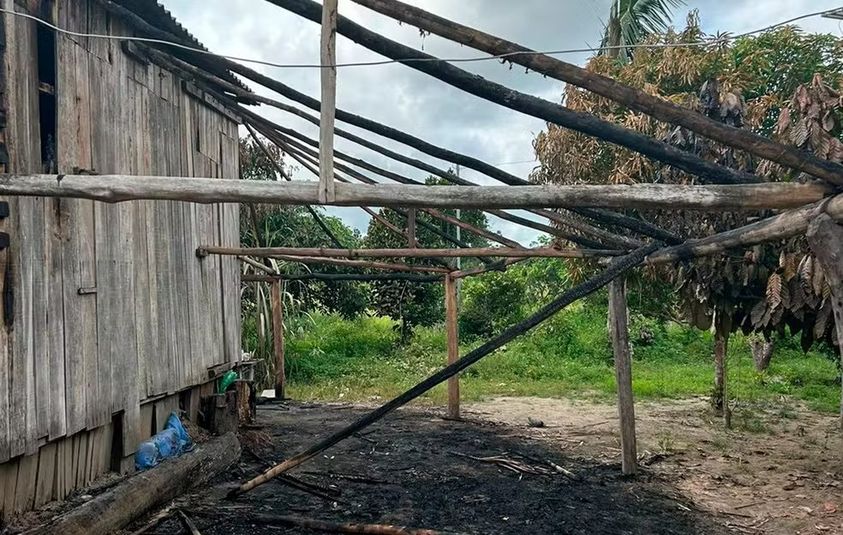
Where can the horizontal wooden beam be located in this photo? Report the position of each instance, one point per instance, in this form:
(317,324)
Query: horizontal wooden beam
(342,277)
(363,264)
(120,188)
(312,252)
(631,97)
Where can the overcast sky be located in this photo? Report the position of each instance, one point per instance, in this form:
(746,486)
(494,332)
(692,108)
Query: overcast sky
(418,104)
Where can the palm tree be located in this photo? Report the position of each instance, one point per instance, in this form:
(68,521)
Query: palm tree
(630,21)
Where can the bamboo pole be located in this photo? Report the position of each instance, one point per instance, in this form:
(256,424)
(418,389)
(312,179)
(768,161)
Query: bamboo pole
(503,252)
(619,331)
(277,305)
(452,330)
(618,267)
(635,99)
(329,100)
(524,103)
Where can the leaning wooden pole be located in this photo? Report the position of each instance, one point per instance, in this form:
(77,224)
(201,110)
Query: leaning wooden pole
(277,305)
(826,240)
(452,330)
(616,268)
(630,97)
(329,100)
(619,331)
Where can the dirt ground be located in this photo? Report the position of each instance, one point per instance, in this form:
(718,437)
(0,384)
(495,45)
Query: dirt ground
(779,472)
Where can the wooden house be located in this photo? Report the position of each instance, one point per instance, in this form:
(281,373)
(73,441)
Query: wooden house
(109,319)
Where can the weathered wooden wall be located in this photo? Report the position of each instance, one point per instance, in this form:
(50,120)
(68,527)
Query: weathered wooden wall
(112,309)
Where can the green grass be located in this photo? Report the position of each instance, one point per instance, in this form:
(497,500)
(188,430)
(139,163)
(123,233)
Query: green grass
(569,356)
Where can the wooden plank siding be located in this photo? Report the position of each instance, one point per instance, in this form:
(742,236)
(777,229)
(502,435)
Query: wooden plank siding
(112,309)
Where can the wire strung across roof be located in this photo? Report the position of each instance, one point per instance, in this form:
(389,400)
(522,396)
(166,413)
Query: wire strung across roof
(718,41)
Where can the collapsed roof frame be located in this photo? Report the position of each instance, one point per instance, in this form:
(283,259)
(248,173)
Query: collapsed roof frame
(804,204)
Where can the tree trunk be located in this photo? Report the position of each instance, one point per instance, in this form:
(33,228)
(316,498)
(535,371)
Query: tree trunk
(762,352)
(720,398)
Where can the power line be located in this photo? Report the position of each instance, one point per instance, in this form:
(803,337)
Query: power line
(713,42)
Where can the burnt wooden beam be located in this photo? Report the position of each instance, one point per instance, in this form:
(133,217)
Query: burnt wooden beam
(524,103)
(174,63)
(784,225)
(604,86)
(616,268)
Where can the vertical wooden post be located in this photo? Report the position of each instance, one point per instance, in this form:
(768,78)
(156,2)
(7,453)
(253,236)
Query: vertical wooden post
(329,101)
(619,331)
(720,399)
(826,240)
(411,227)
(452,329)
(277,305)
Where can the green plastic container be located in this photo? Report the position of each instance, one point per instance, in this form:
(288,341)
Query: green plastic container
(226,381)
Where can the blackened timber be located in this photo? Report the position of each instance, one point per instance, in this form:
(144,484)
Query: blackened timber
(616,268)
(631,97)
(527,104)
(312,103)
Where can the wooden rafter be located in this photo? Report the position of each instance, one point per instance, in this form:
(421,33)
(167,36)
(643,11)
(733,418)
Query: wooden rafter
(524,103)
(635,99)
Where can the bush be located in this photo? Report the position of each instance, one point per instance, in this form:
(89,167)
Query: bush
(334,346)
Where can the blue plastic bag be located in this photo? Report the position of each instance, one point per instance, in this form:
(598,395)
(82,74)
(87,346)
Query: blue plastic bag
(172,441)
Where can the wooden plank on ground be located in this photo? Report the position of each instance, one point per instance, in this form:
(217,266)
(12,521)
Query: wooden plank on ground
(25,486)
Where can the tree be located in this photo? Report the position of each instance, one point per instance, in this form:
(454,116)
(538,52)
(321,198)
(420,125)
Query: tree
(415,304)
(763,82)
(631,21)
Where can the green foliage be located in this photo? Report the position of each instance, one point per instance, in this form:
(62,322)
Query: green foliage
(415,304)
(568,356)
(494,301)
(631,21)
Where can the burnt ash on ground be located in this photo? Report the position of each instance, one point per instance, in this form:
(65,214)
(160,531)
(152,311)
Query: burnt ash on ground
(406,470)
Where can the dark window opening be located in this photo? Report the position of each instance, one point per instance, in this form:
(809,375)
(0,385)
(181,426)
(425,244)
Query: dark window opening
(47,104)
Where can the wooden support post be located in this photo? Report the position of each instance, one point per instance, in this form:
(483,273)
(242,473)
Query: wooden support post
(826,239)
(619,331)
(329,101)
(452,329)
(411,228)
(277,305)
(720,399)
